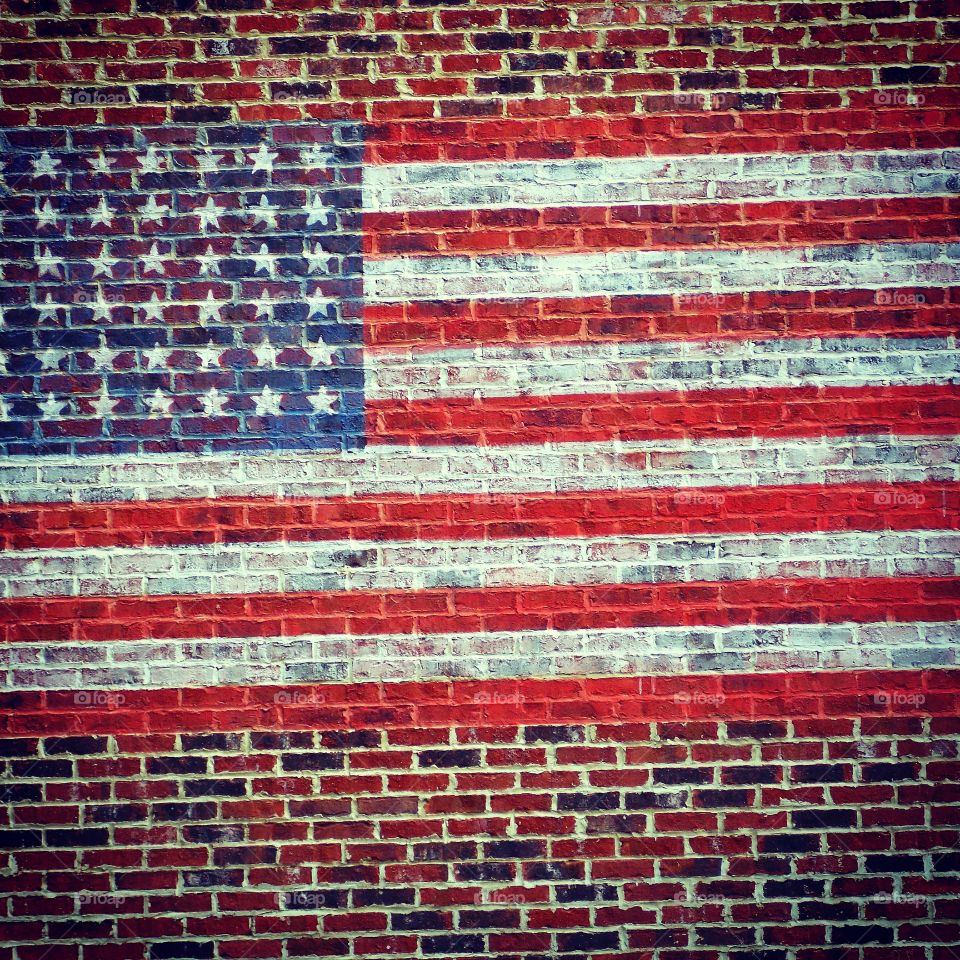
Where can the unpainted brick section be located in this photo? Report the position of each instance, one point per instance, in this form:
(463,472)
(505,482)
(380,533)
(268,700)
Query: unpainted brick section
(703,839)
(222,59)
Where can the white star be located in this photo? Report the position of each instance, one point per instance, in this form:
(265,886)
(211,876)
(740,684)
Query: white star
(102,214)
(213,402)
(209,262)
(51,408)
(46,215)
(44,165)
(263,159)
(151,162)
(323,401)
(315,156)
(103,406)
(48,310)
(264,212)
(209,215)
(268,403)
(100,163)
(4,410)
(208,162)
(103,265)
(50,359)
(49,264)
(209,356)
(209,309)
(159,404)
(266,354)
(264,307)
(318,305)
(153,262)
(155,357)
(103,356)
(317,210)
(265,261)
(317,261)
(151,211)
(154,309)
(321,353)
(101,309)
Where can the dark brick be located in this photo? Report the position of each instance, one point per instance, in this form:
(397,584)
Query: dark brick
(76,745)
(502,41)
(823,819)
(313,761)
(81,837)
(445,759)
(505,85)
(210,741)
(42,769)
(215,788)
(420,920)
(588,801)
(709,80)
(20,839)
(515,849)
(175,766)
(586,893)
(568,942)
(279,741)
(185,950)
(789,843)
(184,811)
(678,776)
(554,735)
(918,74)
(453,944)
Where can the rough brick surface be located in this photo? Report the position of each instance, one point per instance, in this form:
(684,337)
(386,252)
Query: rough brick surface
(626,624)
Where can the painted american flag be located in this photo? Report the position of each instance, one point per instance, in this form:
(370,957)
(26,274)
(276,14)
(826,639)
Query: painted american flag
(312,402)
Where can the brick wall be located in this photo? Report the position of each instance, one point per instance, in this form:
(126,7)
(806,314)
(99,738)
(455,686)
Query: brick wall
(206,61)
(784,791)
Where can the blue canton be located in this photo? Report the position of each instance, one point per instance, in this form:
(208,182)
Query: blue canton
(181,289)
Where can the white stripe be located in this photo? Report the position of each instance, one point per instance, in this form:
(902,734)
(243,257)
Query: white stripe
(723,462)
(495,655)
(602,181)
(500,371)
(348,565)
(660,272)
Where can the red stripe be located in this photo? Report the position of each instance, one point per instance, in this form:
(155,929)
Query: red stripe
(802,127)
(796,508)
(782,411)
(463,703)
(928,311)
(661,226)
(575,607)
